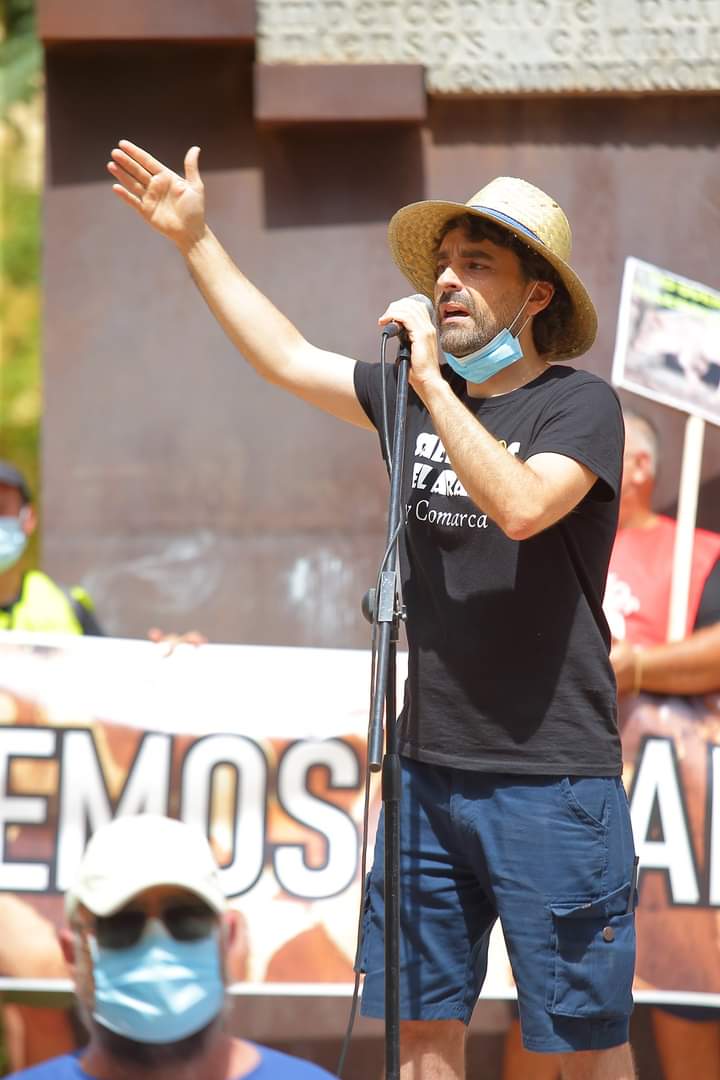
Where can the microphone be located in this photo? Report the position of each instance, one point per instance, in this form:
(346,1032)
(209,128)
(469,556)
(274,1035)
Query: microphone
(393,329)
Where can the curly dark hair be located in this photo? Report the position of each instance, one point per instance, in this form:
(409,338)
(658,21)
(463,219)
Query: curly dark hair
(550,324)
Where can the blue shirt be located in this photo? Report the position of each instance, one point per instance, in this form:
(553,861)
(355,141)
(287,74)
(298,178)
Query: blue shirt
(272,1066)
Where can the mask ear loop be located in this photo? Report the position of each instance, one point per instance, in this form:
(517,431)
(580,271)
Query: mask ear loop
(525,303)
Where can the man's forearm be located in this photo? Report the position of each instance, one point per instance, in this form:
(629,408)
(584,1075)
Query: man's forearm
(500,485)
(265,337)
(691,666)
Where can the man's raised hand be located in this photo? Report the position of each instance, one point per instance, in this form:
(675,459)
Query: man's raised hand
(173,205)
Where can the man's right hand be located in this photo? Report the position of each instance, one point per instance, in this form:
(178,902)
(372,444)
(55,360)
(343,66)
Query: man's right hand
(173,205)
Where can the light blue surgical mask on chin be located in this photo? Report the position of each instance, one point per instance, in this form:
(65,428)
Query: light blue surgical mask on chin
(503,350)
(13,541)
(159,990)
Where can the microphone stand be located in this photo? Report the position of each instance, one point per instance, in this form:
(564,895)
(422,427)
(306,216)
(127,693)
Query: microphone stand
(386,612)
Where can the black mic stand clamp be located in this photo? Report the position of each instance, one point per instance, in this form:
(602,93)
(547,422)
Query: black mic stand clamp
(368,605)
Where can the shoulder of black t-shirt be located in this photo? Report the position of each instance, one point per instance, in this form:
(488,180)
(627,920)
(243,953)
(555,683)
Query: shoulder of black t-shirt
(709,610)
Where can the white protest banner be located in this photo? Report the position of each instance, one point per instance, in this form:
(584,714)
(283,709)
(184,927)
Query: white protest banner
(265,748)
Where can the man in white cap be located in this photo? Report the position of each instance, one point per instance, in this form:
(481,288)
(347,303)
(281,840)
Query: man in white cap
(512,803)
(147,942)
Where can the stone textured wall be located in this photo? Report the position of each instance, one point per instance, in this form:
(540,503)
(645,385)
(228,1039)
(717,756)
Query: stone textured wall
(507,46)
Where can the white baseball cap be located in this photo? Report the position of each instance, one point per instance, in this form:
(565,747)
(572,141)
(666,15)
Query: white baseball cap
(136,852)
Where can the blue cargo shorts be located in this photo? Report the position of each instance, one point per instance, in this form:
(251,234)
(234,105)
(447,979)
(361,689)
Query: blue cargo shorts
(553,858)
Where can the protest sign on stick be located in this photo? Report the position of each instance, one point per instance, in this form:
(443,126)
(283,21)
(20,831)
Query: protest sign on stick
(668,350)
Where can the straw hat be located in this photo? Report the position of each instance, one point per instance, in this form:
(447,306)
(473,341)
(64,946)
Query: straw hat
(531,215)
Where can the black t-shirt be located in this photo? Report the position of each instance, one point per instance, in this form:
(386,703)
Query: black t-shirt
(709,609)
(508,667)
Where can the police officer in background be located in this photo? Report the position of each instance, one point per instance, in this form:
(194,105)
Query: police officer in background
(29,599)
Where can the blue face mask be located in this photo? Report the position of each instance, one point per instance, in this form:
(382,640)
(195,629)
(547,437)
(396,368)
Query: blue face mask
(503,350)
(159,990)
(13,541)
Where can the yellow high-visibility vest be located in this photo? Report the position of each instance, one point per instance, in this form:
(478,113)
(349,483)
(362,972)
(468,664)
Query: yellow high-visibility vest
(43,607)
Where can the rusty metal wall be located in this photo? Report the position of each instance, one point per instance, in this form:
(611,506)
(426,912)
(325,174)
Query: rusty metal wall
(179,488)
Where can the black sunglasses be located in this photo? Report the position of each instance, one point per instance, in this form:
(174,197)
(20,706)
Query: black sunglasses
(184,922)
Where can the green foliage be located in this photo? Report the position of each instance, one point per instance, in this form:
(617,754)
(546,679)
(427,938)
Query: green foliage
(20,377)
(20,55)
(18,17)
(20,380)
(21,262)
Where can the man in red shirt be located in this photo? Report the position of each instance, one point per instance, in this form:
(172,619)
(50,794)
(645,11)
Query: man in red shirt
(637,597)
(636,605)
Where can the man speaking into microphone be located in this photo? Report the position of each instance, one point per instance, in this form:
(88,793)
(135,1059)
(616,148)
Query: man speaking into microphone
(512,803)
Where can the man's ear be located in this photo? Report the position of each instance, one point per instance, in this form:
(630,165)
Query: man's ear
(542,294)
(235,930)
(66,939)
(29,519)
(236,945)
(642,468)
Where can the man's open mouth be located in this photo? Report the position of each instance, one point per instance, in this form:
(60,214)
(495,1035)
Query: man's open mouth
(451,312)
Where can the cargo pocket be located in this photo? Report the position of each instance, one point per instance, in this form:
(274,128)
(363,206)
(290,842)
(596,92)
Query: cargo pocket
(593,957)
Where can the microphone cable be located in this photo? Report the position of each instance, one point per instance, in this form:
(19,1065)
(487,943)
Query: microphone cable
(385,425)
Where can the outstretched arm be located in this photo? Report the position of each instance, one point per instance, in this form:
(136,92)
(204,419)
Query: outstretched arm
(175,206)
(691,666)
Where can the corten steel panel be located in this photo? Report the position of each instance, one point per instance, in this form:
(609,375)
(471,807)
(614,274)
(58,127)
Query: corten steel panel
(167,20)
(295,93)
(178,486)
